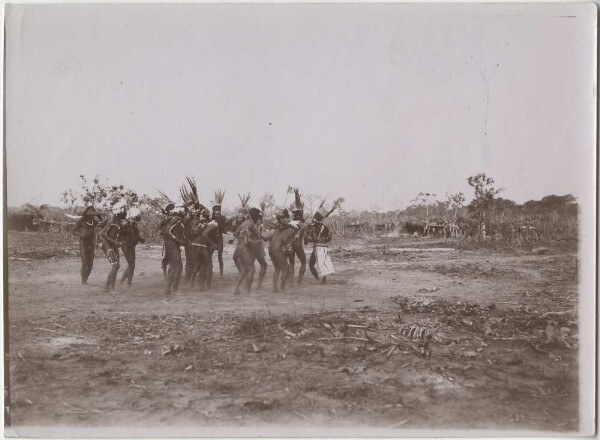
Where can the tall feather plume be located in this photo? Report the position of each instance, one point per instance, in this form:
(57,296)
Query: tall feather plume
(336,204)
(188,198)
(164,196)
(324,200)
(297,203)
(297,199)
(155,205)
(244,199)
(164,199)
(194,188)
(219,196)
(288,191)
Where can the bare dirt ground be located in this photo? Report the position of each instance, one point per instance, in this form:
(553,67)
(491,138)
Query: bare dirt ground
(408,333)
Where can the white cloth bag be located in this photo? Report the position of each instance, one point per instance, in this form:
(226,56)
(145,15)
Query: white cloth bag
(324,264)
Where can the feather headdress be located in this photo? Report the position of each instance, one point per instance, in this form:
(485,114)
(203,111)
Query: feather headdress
(155,205)
(336,204)
(219,196)
(186,196)
(244,199)
(297,204)
(119,207)
(289,191)
(189,197)
(164,204)
(164,196)
(194,190)
(323,213)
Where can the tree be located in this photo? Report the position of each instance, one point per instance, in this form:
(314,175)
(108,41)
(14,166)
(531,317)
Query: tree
(484,195)
(69,198)
(93,195)
(100,194)
(554,201)
(337,205)
(424,200)
(455,201)
(267,205)
(338,216)
(311,202)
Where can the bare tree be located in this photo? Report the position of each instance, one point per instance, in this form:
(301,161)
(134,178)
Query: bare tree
(456,201)
(312,201)
(268,205)
(484,195)
(69,199)
(100,194)
(424,200)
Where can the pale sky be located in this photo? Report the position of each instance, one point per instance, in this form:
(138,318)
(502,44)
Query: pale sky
(374,103)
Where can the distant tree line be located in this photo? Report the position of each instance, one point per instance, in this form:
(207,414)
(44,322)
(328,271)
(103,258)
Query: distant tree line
(486,216)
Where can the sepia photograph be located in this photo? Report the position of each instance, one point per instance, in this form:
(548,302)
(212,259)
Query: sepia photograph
(285,219)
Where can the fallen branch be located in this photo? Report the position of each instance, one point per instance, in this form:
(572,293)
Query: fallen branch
(421,351)
(75,410)
(398,424)
(213,398)
(528,335)
(545,315)
(289,333)
(63,357)
(45,329)
(341,311)
(344,337)
(538,348)
(378,385)
(300,415)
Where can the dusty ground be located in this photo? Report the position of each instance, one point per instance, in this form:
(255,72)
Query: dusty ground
(407,334)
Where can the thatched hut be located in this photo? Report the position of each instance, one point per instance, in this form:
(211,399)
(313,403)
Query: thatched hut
(31,218)
(24,218)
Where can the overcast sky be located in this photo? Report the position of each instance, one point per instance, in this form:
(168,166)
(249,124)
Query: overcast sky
(374,103)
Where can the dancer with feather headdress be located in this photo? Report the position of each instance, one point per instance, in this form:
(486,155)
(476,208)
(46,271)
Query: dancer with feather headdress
(174,233)
(249,248)
(203,241)
(259,249)
(297,209)
(319,234)
(85,229)
(130,237)
(111,242)
(192,206)
(221,222)
(165,206)
(280,247)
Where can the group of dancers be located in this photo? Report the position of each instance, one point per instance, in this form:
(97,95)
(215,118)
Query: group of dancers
(189,225)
